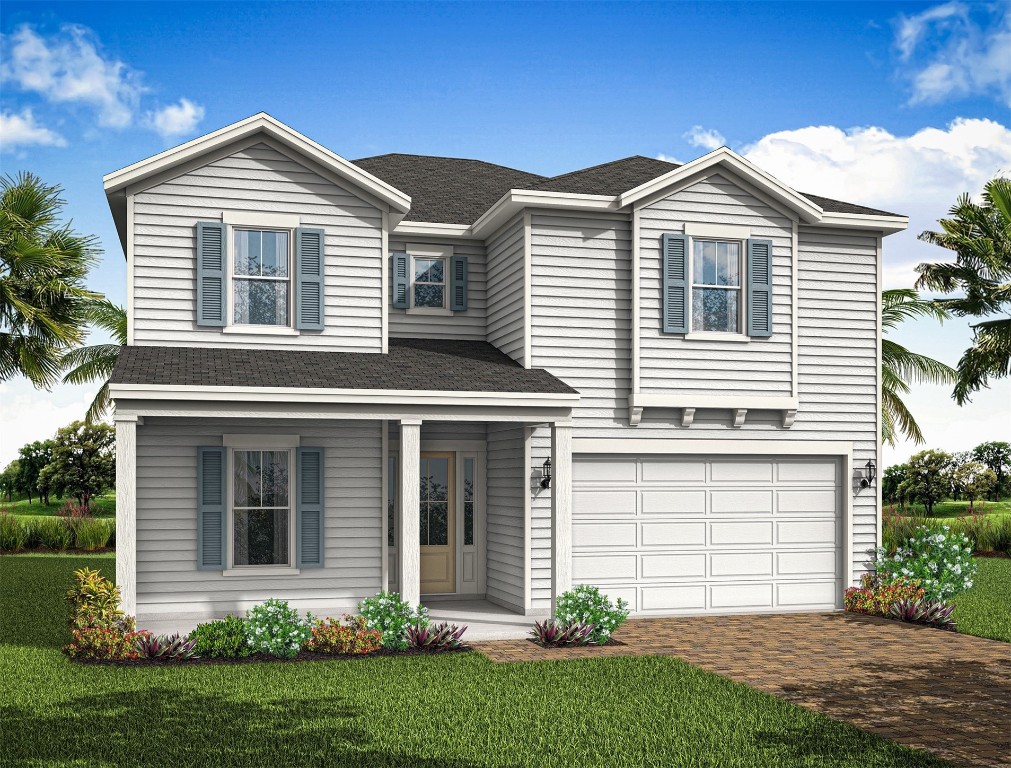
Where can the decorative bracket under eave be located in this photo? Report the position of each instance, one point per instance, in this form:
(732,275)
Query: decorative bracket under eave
(634,415)
(687,416)
(789,416)
(739,415)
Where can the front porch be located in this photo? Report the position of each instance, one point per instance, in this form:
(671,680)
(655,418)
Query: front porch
(484,620)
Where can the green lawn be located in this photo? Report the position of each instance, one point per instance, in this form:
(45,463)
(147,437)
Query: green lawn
(455,710)
(985,610)
(101,506)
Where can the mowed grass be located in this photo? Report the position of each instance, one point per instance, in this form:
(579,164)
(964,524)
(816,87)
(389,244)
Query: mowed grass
(101,506)
(453,710)
(985,610)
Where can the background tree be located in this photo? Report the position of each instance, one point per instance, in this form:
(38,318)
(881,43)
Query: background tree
(10,480)
(95,363)
(997,456)
(84,461)
(43,264)
(32,458)
(974,480)
(900,367)
(927,478)
(891,479)
(980,236)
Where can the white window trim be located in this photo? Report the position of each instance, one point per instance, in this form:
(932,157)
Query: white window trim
(740,334)
(429,252)
(260,223)
(261,443)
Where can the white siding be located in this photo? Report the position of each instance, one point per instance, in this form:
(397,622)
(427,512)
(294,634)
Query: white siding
(259,179)
(507,475)
(507,289)
(168,581)
(673,364)
(460,325)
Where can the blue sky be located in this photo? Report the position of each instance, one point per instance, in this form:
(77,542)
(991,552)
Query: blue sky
(898,105)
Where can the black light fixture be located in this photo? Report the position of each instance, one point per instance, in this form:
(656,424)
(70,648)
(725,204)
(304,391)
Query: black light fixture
(869,474)
(546,474)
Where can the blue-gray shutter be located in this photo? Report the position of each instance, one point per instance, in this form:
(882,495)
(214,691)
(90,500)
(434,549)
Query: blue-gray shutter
(759,287)
(211,509)
(309,265)
(212,259)
(675,283)
(310,511)
(458,283)
(401,279)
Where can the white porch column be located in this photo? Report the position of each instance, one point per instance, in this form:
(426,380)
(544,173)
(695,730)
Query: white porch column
(409,528)
(561,509)
(126,511)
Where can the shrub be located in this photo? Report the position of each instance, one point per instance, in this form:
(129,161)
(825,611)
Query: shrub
(897,529)
(277,629)
(554,632)
(222,639)
(931,613)
(588,605)
(941,561)
(92,534)
(71,510)
(351,637)
(165,647)
(105,643)
(986,533)
(13,533)
(437,637)
(53,532)
(876,599)
(392,616)
(93,596)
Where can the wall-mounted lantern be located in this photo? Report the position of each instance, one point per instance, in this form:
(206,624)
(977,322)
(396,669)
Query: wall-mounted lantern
(546,474)
(869,473)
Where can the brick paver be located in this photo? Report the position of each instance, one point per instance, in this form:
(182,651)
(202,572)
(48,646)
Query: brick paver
(925,688)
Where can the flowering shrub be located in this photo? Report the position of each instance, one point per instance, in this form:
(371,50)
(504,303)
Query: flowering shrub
(151,646)
(933,614)
(554,632)
(588,605)
(876,599)
(93,596)
(105,643)
(222,639)
(277,629)
(392,616)
(437,637)
(351,637)
(940,560)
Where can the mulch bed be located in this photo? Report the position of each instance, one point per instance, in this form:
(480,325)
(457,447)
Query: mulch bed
(570,646)
(261,658)
(48,551)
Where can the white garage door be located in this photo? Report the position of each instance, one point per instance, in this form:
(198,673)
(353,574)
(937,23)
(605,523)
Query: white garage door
(689,534)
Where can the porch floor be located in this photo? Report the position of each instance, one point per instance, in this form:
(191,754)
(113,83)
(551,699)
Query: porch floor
(484,620)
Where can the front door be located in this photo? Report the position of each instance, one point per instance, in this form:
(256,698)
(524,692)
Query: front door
(438,523)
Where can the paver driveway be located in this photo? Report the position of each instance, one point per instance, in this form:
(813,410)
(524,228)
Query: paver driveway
(926,688)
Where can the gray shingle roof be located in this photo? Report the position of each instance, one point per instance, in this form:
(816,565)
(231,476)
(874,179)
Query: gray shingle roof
(449,190)
(411,364)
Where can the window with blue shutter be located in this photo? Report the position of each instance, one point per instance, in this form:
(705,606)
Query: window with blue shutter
(211,508)
(401,280)
(458,284)
(311,507)
(212,257)
(674,251)
(759,287)
(309,266)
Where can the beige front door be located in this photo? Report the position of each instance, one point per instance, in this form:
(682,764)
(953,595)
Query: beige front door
(438,523)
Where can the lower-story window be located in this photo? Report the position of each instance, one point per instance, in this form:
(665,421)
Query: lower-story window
(261,507)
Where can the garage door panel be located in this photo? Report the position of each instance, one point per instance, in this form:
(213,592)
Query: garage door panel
(741,471)
(609,503)
(674,566)
(603,567)
(824,563)
(610,470)
(741,502)
(753,596)
(673,502)
(673,598)
(735,533)
(807,501)
(674,534)
(740,564)
(806,532)
(807,471)
(604,534)
(667,471)
(799,594)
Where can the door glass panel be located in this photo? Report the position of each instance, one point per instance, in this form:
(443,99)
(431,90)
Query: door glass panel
(468,502)
(438,526)
(434,498)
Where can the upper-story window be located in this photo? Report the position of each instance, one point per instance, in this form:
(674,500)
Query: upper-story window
(717,291)
(429,279)
(429,285)
(261,277)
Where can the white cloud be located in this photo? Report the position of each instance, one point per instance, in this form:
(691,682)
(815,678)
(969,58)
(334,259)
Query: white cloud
(706,138)
(21,130)
(954,50)
(28,414)
(69,67)
(175,119)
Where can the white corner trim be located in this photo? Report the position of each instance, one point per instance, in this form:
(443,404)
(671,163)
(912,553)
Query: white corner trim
(386,308)
(265,441)
(528,264)
(679,445)
(261,219)
(794,313)
(720,231)
(256,571)
(636,319)
(130,269)
(687,416)
(739,416)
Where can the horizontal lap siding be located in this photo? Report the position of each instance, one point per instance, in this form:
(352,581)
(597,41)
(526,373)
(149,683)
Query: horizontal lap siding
(469,324)
(167,577)
(506,289)
(506,477)
(669,363)
(257,179)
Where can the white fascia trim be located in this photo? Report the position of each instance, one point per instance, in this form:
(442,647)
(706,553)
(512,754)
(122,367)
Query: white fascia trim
(645,445)
(889,225)
(808,211)
(515,200)
(431,229)
(397,397)
(639,400)
(258,123)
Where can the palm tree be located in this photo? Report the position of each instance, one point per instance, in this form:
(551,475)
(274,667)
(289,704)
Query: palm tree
(42,293)
(980,235)
(900,367)
(95,363)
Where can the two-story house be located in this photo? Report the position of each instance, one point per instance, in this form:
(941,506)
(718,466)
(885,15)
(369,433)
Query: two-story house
(454,379)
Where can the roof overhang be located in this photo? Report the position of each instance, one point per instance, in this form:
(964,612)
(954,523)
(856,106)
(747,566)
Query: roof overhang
(119,182)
